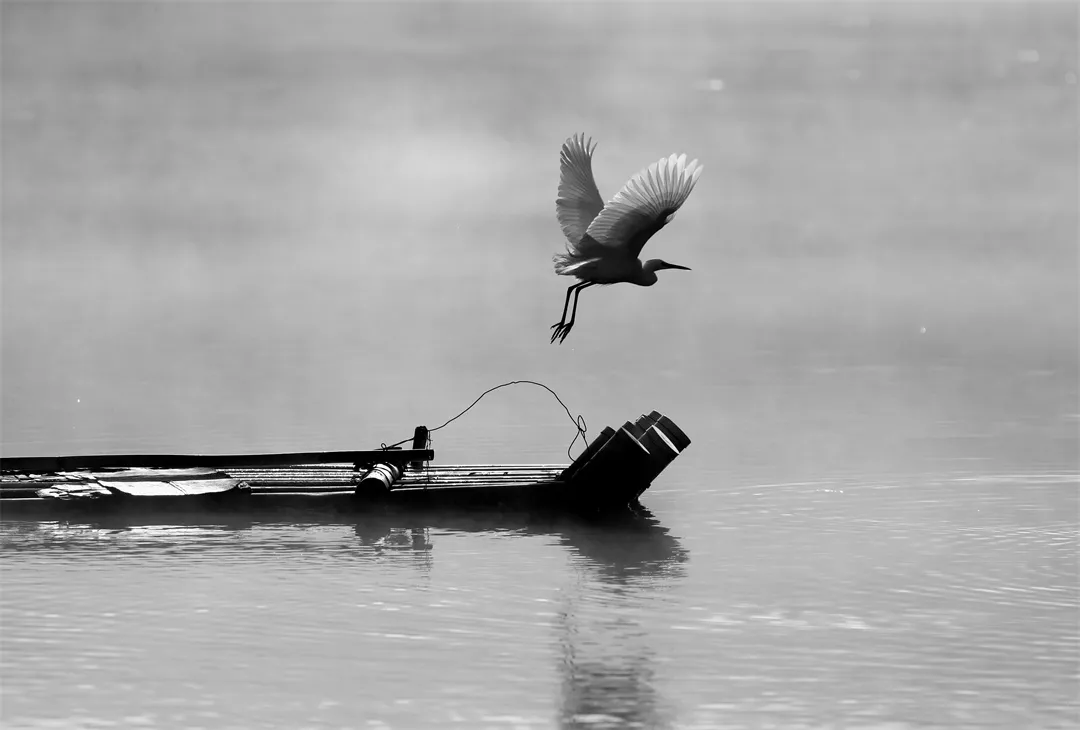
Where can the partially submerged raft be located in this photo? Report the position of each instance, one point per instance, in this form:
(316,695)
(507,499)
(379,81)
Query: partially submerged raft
(612,472)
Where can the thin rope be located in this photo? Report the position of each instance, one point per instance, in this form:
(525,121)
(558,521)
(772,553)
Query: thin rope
(579,421)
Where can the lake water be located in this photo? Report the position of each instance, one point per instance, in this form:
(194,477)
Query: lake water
(262,227)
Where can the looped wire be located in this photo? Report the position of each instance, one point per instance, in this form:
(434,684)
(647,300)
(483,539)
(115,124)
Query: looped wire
(578,421)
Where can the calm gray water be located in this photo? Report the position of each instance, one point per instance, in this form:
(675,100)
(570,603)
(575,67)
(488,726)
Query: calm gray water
(932,601)
(257,227)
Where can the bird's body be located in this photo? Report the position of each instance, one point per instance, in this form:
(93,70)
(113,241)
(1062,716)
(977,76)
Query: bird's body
(604,241)
(608,270)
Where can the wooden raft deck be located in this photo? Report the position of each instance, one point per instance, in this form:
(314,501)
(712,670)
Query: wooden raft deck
(610,474)
(343,477)
(307,478)
(332,486)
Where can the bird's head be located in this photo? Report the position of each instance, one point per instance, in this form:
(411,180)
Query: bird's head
(649,269)
(658,264)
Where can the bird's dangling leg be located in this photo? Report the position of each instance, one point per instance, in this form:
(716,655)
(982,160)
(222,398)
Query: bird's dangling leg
(565,330)
(566,304)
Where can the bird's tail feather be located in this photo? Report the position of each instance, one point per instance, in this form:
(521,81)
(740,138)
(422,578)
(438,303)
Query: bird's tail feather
(567,264)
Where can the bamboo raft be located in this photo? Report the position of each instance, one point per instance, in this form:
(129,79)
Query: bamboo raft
(610,474)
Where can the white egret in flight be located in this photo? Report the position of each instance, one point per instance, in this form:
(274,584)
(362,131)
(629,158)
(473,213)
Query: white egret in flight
(604,241)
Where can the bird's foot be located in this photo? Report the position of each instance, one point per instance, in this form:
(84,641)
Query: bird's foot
(562,329)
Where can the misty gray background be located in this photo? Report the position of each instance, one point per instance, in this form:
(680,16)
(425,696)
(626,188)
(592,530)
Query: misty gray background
(298,226)
(235,226)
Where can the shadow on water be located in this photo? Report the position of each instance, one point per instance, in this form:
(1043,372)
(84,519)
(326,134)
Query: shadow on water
(606,663)
(618,547)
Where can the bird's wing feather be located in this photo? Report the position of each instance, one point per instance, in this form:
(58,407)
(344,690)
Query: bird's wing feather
(645,204)
(579,201)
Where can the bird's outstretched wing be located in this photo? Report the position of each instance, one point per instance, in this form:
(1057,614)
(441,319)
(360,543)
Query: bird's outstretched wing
(579,201)
(645,204)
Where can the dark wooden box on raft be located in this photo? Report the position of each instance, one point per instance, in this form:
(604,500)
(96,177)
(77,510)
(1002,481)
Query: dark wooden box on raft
(610,474)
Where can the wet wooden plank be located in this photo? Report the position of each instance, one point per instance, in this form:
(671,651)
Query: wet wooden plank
(179,488)
(143,489)
(213,480)
(138,482)
(71,491)
(40,464)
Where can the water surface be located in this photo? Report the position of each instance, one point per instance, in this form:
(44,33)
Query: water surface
(922,602)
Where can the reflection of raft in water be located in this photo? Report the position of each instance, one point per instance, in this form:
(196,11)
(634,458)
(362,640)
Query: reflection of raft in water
(610,474)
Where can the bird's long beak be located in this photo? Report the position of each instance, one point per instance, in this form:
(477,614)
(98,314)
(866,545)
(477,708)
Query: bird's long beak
(676,266)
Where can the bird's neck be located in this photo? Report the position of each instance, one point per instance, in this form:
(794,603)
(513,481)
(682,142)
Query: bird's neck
(646,276)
